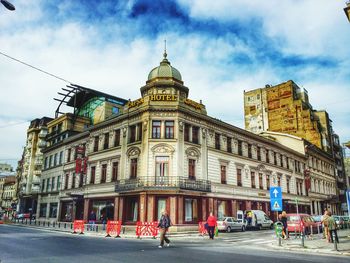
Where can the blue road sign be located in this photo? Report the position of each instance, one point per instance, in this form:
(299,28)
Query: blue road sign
(276,198)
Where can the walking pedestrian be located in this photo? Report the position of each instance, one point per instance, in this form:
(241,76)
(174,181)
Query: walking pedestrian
(332,227)
(324,222)
(284,221)
(212,223)
(164,224)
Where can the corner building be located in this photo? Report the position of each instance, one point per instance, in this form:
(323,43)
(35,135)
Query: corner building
(164,152)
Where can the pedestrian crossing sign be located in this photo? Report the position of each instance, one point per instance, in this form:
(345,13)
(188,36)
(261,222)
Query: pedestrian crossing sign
(276,204)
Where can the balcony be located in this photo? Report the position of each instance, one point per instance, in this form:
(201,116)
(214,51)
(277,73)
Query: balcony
(41,144)
(162,183)
(42,134)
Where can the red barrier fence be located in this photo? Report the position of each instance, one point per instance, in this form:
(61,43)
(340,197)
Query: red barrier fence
(146,229)
(201,228)
(78,226)
(113,228)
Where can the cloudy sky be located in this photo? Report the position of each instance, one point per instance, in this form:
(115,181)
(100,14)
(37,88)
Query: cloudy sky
(221,48)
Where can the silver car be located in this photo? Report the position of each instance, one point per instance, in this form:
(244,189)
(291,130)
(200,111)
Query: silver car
(230,223)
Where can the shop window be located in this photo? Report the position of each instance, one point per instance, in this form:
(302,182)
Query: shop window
(117,138)
(191,169)
(133,168)
(156,126)
(96,143)
(222,209)
(162,166)
(53,210)
(115,171)
(169,129)
(239,177)
(161,206)
(106,141)
(92,174)
(42,211)
(252,176)
(132,209)
(103,209)
(187,132)
(103,173)
(195,134)
(191,210)
(223,174)
(217,141)
(132,133)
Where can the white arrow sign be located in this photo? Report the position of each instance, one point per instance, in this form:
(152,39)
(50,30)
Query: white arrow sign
(275,192)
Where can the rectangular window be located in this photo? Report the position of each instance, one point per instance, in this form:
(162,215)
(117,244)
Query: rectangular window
(281,160)
(132,133)
(252,177)
(240,148)
(249,151)
(279,180)
(161,206)
(195,134)
(73,180)
(261,186)
(287,161)
(55,159)
(267,156)
(223,174)
(48,184)
(217,141)
(268,182)
(53,210)
(58,183)
(42,211)
(139,131)
(132,209)
(117,138)
(46,163)
(288,189)
(66,179)
(239,177)
(106,141)
(43,185)
(81,179)
(103,173)
(61,158)
(92,174)
(187,132)
(133,168)
(169,129)
(115,171)
(50,161)
(258,153)
(192,169)
(156,126)
(191,210)
(69,155)
(162,166)
(229,144)
(52,183)
(274,159)
(96,139)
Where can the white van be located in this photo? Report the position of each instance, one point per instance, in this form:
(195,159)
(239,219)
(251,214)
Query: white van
(258,219)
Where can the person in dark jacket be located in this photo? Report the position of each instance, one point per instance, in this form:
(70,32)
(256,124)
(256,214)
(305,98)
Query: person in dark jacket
(164,224)
(284,221)
(92,220)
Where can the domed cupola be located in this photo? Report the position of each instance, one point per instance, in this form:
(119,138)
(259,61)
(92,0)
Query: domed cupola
(164,71)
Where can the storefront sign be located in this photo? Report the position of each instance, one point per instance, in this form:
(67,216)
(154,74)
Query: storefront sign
(193,104)
(135,103)
(163,97)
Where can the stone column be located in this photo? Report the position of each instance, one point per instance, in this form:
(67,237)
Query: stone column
(116,208)
(173,210)
(204,209)
(143,205)
(150,208)
(248,205)
(86,209)
(121,207)
(234,207)
(47,210)
(311,209)
(180,209)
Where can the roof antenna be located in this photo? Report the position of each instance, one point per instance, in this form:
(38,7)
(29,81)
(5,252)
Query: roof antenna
(165,54)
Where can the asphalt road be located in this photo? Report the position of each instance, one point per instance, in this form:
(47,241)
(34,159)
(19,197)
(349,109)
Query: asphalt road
(20,244)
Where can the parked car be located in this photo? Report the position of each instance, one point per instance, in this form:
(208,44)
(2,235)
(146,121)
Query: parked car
(230,223)
(24,216)
(301,222)
(318,219)
(346,221)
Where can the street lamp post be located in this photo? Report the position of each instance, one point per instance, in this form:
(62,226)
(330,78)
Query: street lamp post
(8,5)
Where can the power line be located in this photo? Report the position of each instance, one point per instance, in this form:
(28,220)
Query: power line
(33,67)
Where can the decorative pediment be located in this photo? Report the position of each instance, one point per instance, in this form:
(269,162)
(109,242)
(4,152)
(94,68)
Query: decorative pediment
(163,148)
(192,152)
(133,152)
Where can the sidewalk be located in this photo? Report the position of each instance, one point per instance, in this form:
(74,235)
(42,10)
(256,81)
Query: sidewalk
(317,244)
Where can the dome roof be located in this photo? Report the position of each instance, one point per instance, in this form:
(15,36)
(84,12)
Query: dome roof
(164,70)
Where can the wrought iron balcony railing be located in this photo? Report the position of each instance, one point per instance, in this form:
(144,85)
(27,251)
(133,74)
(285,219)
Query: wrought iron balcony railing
(162,183)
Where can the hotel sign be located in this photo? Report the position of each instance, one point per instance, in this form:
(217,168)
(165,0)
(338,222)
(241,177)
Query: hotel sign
(135,103)
(193,104)
(163,97)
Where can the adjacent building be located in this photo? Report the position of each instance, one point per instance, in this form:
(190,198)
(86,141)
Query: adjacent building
(163,151)
(285,108)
